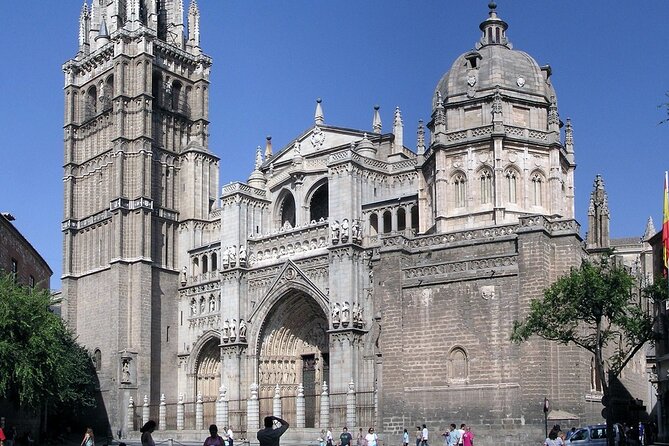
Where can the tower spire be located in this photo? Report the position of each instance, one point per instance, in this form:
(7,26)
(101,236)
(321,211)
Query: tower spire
(84,28)
(194,27)
(598,217)
(398,131)
(268,147)
(319,119)
(420,138)
(376,122)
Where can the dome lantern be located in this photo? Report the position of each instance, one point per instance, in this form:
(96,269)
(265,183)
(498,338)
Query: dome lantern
(494,28)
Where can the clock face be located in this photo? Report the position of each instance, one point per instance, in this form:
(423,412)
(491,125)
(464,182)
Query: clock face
(520,81)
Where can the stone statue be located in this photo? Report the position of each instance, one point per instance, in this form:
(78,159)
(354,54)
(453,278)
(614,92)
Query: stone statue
(202,305)
(344,230)
(356,234)
(184,271)
(242,255)
(125,371)
(336,311)
(233,330)
(242,330)
(226,331)
(225,258)
(233,256)
(193,307)
(345,314)
(212,304)
(335,232)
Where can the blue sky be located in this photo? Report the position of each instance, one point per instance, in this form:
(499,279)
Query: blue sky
(272,59)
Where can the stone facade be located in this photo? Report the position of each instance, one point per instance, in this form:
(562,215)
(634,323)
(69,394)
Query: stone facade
(347,264)
(19,257)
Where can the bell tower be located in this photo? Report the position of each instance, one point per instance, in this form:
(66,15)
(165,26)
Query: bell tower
(137,175)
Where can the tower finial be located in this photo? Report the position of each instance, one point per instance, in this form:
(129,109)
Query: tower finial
(268,147)
(319,119)
(398,131)
(376,121)
(193,27)
(420,138)
(494,28)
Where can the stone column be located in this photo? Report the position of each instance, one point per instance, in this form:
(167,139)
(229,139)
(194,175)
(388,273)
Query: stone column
(300,407)
(130,416)
(145,410)
(253,410)
(222,409)
(276,402)
(350,405)
(199,413)
(325,407)
(162,414)
(180,412)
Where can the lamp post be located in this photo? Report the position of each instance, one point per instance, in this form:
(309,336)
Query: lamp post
(546,407)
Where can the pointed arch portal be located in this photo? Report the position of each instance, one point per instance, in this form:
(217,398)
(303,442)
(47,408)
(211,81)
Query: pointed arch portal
(293,349)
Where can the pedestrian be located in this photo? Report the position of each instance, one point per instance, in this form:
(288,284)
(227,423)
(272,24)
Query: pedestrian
(452,436)
(424,435)
(88,440)
(230,434)
(371,437)
(552,439)
(468,437)
(361,439)
(345,437)
(10,436)
(2,436)
(147,430)
(329,438)
(461,432)
(269,436)
(405,438)
(214,439)
(419,435)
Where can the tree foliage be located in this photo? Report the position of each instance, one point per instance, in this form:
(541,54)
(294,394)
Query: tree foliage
(598,307)
(43,366)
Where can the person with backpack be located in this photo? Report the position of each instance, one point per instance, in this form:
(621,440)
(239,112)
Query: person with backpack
(214,439)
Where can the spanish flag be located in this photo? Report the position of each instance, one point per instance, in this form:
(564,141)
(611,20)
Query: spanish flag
(665,224)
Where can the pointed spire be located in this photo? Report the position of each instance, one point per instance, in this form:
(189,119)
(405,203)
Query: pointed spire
(376,122)
(398,130)
(258,158)
(193,27)
(420,138)
(569,136)
(103,33)
(598,217)
(84,26)
(131,11)
(650,229)
(319,119)
(553,116)
(268,147)
(440,114)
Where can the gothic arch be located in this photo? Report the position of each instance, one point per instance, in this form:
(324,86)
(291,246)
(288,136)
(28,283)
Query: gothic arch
(458,364)
(286,210)
(318,201)
(204,365)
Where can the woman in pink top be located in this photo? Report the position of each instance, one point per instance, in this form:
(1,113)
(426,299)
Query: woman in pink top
(468,437)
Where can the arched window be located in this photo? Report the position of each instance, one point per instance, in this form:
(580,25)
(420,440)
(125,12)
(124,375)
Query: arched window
(458,369)
(91,106)
(374,224)
(486,187)
(288,211)
(106,98)
(414,218)
(460,190)
(176,96)
(205,264)
(214,261)
(97,359)
(537,189)
(319,206)
(387,222)
(401,219)
(511,186)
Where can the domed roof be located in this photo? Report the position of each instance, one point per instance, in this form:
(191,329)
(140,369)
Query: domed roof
(494,64)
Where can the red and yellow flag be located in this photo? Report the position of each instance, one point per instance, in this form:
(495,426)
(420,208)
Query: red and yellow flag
(665,223)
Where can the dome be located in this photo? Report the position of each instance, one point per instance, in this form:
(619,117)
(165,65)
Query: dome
(495,64)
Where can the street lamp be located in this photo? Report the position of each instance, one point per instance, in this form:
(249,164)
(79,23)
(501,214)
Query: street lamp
(546,407)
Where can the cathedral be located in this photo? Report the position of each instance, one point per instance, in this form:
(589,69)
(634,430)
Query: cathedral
(352,279)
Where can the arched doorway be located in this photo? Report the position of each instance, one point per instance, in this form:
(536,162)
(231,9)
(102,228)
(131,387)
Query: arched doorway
(293,350)
(208,376)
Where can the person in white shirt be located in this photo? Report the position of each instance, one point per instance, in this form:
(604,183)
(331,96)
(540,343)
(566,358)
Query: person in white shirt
(371,437)
(425,434)
(230,438)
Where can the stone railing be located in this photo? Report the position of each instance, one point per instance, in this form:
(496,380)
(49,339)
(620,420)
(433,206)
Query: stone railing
(288,242)
(243,188)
